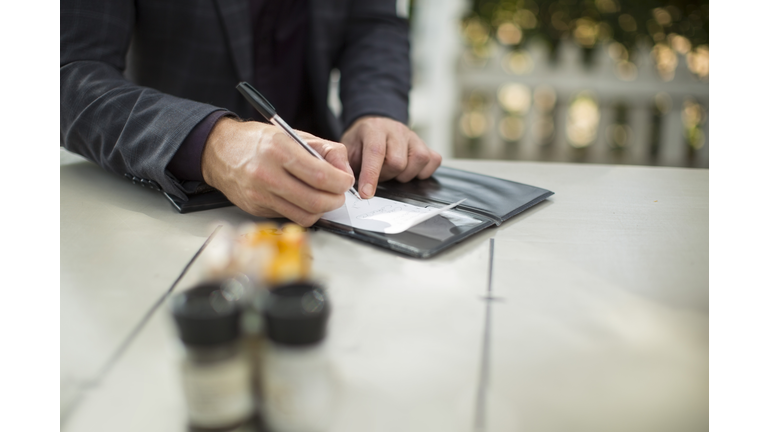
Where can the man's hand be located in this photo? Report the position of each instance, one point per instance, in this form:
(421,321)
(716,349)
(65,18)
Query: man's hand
(262,171)
(382,149)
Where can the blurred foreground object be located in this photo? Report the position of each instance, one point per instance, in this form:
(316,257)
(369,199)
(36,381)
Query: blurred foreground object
(238,270)
(265,253)
(215,369)
(297,382)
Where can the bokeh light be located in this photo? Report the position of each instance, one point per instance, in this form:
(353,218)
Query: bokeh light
(698,61)
(627,23)
(518,62)
(512,128)
(619,135)
(607,6)
(509,34)
(473,124)
(525,18)
(662,16)
(626,70)
(692,113)
(586,32)
(474,121)
(476,32)
(583,120)
(666,61)
(693,116)
(681,44)
(618,52)
(477,35)
(515,98)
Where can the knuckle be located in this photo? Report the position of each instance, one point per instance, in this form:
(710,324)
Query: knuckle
(397,163)
(320,178)
(403,178)
(338,202)
(271,150)
(307,220)
(421,156)
(256,174)
(315,204)
(339,148)
(257,199)
(376,149)
(261,176)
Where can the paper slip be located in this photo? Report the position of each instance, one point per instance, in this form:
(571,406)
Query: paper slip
(382,215)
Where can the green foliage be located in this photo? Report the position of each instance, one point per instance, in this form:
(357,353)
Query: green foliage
(589,22)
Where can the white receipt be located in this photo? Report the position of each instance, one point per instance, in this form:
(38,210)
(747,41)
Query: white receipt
(382,215)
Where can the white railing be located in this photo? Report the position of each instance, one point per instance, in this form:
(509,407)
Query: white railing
(650,110)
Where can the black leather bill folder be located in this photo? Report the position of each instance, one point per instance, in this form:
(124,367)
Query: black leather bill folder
(489,202)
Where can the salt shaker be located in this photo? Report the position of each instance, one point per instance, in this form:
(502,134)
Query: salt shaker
(215,370)
(298,388)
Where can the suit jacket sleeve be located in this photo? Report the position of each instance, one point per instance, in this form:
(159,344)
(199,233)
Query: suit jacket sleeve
(125,128)
(375,62)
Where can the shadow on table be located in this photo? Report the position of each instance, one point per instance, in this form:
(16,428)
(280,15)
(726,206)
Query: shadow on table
(86,181)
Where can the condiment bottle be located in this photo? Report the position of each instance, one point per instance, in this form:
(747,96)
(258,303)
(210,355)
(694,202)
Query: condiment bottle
(292,261)
(298,388)
(215,370)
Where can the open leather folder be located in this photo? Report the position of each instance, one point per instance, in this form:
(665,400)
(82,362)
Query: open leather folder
(488,201)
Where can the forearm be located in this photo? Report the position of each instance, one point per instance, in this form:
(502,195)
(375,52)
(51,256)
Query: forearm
(123,127)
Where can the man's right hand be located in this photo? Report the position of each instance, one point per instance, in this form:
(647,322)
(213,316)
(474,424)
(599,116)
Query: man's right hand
(264,172)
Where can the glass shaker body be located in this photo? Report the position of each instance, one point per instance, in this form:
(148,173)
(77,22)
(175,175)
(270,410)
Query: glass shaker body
(217,386)
(215,371)
(298,387)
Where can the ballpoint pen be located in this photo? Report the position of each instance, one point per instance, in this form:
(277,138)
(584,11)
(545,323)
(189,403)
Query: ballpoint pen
(268,111)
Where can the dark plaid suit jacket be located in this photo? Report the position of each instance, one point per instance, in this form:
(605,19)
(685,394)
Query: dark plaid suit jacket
(138,75)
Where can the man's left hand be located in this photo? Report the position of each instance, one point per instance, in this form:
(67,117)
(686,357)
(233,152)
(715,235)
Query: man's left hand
(381,149)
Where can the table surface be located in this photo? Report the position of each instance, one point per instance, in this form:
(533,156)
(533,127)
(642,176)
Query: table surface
(597,318)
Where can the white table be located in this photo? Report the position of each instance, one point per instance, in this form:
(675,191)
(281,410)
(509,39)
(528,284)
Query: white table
(598,322)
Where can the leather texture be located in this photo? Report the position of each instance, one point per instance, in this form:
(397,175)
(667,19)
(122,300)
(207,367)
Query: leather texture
(136,76)
(492,197)
(489,199)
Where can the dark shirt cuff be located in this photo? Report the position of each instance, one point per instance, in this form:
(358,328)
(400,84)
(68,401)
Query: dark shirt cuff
(186,163)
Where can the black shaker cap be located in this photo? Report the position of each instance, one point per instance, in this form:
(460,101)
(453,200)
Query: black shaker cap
(296,314)
(206,315)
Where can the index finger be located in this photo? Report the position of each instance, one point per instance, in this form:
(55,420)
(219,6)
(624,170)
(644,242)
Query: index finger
(374,151)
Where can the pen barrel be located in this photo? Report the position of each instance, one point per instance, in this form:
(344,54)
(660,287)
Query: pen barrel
(257,100)
(279,122)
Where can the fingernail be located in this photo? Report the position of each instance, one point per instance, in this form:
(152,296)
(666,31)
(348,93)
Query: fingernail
(349,169)
(367,190)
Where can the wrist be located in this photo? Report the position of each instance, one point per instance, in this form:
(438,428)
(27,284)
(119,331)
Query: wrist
(222,150)
(212,151)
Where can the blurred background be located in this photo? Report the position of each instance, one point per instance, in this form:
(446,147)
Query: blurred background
(594,81)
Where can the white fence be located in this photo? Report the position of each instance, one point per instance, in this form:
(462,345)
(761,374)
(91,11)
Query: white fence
(523,106)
